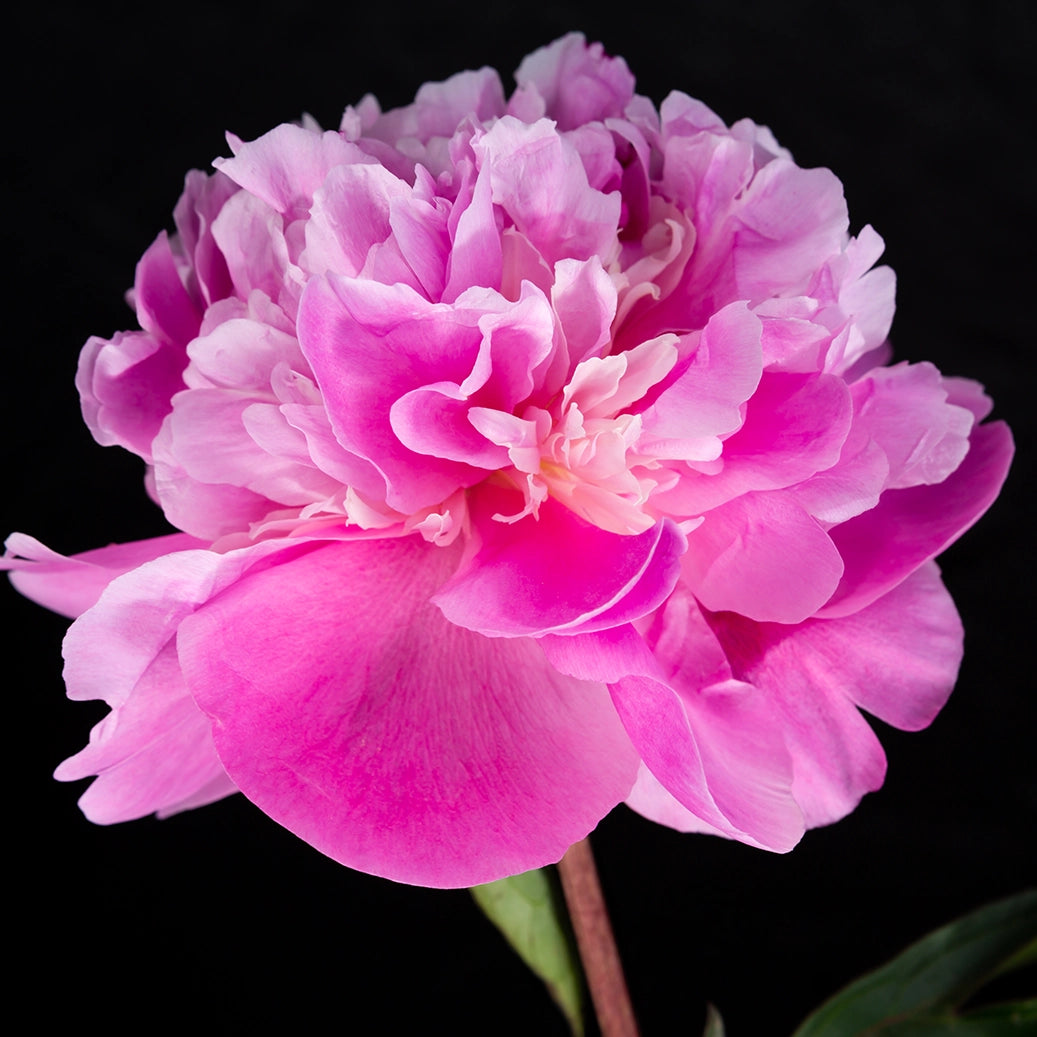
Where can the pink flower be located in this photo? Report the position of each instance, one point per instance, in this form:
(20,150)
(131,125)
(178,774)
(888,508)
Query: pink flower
(531,455)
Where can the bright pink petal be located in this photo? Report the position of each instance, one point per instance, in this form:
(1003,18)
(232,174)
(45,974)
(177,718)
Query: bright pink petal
(557,572)
(795,426)
(711,741)
(897,658)
(368,345)
(125,387)
(163,305)
(397,743)
(881,547)
(763,556)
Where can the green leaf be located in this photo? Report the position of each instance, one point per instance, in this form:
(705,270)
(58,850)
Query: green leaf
(917,992)
(529,910)
(714,1024)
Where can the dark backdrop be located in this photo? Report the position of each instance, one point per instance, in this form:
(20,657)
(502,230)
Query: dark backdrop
(219,918)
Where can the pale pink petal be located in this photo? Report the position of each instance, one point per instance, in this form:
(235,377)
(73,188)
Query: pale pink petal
(790,221)
(251,238)
(577,82)
(155,750)
(397,743)
(125,387)
(349,215)
(151,754)
(439,108)
(477,255)
(286,166)
(241,354)
(539,180)
(70,585)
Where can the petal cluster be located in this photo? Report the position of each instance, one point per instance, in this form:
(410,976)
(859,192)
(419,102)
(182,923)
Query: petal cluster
(530,454)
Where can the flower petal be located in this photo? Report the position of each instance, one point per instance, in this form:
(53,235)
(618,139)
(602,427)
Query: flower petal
(881,547)
(70,585)
(395,742)
(763,556)
(558,573)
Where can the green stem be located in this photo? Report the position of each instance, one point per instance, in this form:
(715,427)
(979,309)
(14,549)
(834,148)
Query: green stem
(596,943)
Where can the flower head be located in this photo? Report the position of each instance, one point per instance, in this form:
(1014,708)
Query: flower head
(530,455)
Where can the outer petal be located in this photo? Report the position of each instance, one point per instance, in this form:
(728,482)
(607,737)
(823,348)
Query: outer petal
(71,585)
(577,82)
(125,387)
(286,166)
(154,751)
(908,527)
(897,658)
(153,754)
(394,742)
(711,741)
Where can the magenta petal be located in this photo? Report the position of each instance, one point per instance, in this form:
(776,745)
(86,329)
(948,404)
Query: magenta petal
(814,673)
(898,658)
(763,556)
(559,573)
(714,745)
(163,306)
(908,527)
(397,743)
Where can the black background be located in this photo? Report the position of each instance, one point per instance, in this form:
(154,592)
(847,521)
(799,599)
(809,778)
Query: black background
(219,919)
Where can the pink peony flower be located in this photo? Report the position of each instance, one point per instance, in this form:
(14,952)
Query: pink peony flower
(531,456)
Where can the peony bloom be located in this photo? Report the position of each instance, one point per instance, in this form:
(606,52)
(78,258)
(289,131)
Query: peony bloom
(530,455)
